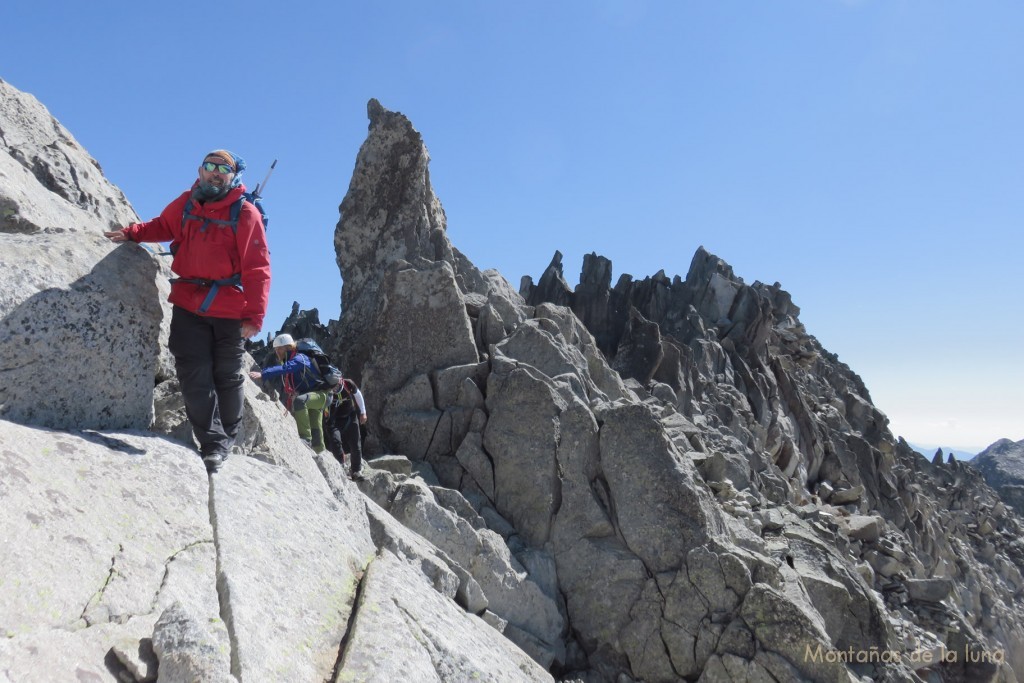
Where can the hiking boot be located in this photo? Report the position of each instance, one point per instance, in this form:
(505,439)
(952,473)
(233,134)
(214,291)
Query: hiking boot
(213,461)
(356,476)
(234,450)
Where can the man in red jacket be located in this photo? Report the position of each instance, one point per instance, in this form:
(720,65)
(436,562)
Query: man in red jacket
(219,297)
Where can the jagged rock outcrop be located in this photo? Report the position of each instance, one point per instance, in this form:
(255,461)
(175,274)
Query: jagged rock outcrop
(1002,465)
(780,419)
(390,214)
(67,191)
(495,579)
(735,504)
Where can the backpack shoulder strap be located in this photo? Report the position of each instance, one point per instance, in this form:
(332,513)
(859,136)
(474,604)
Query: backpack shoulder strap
(313,370)
(236,211)
(186,213)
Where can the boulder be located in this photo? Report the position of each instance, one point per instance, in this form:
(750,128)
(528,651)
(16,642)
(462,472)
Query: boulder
(70,295)
(929,590)
(65,291)
(187,650)
(521,436)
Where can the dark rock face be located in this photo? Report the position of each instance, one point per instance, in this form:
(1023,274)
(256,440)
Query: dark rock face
(735,356)
(1002,465)
(780,416)
(639,353)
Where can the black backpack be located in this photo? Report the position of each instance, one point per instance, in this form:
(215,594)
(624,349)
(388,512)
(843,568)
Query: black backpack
(345,398)
(330,376)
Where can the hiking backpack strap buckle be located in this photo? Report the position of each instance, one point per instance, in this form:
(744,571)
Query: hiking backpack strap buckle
(214,285)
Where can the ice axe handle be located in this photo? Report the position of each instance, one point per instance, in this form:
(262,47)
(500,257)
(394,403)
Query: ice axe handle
(262,187)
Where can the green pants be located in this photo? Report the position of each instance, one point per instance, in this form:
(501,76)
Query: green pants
(308,409)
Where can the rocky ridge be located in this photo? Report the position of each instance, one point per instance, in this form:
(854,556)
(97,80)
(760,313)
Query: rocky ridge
(595,420)
(690,489)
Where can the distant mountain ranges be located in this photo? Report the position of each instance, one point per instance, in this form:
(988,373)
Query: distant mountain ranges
(957,452)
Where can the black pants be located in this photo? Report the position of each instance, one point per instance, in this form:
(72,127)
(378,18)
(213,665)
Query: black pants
(342,435)
(208,359)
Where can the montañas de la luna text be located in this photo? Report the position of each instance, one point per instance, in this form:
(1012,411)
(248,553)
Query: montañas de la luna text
(874,655)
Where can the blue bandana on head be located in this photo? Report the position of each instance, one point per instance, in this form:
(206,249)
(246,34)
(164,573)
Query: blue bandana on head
(233,159)
(207,192)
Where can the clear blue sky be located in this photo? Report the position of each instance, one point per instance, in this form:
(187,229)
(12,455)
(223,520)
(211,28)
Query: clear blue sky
(866,154)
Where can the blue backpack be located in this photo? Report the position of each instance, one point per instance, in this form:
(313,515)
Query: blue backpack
(236,211)
(330,376)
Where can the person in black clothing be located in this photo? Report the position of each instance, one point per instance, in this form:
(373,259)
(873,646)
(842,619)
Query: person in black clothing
(347,411)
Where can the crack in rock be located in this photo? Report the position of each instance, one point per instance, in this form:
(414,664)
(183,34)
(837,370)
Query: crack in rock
(98,595)
(224,591)
(424,639)
(167,571)
(343,646)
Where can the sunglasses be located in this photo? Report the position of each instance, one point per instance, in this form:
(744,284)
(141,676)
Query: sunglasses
(219,168)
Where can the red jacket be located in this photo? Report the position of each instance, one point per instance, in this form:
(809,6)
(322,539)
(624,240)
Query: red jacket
(215,253)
